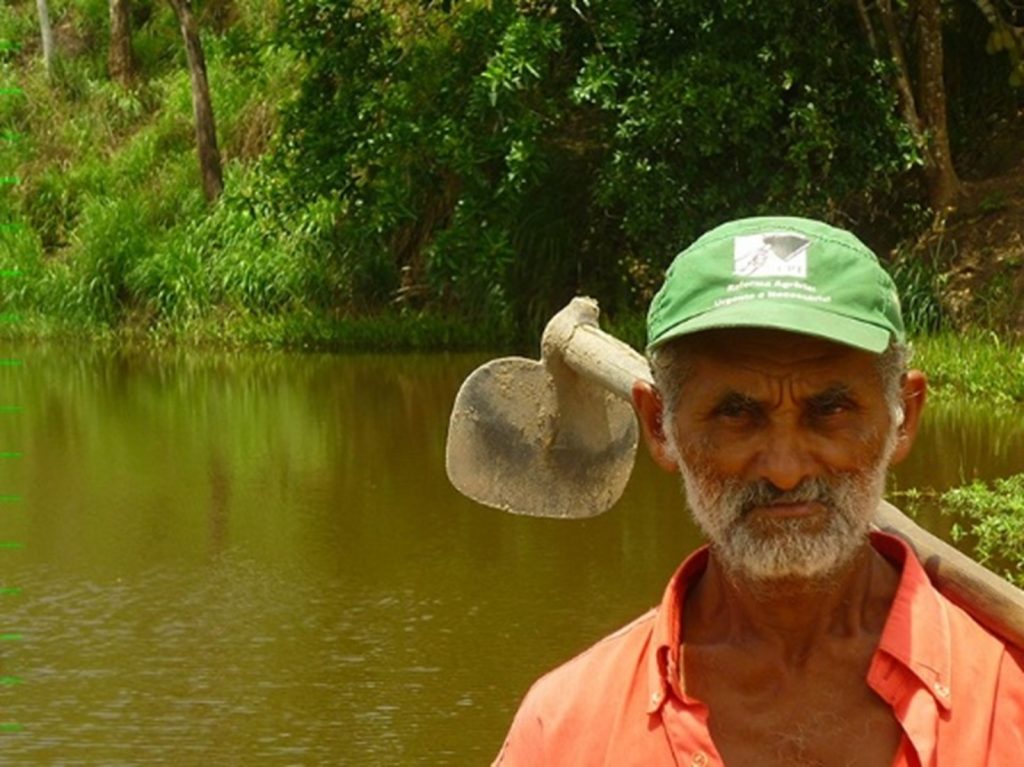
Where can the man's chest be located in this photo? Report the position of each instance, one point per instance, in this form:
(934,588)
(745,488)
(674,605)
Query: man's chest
(821,716)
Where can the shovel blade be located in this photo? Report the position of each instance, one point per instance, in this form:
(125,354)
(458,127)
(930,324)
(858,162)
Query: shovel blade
(520,443)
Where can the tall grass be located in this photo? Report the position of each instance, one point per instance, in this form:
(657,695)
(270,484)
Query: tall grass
(977,364)
(919,280)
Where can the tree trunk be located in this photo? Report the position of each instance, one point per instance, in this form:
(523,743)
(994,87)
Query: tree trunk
(46,31)
(206,132)
(120,61)
(908,104)
(923,107)
(865,24)
(943,182)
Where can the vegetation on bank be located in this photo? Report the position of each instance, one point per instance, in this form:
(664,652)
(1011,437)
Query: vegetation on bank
(976,366)
(447,174)
(993,518)
(989,521)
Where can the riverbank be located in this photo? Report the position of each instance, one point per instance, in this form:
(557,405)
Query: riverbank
(106,235)
(397,331)
(979,365)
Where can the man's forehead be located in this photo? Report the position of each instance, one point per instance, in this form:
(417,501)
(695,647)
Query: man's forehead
(762,351)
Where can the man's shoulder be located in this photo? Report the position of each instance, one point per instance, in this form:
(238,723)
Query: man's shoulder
(975,640)
(989,671)
(926,609)
(616,661)
(570,713)
(628,643)
(972,637)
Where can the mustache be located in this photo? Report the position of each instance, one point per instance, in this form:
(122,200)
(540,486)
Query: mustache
(747,496)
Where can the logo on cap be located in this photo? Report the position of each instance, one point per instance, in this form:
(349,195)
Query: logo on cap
(773,254)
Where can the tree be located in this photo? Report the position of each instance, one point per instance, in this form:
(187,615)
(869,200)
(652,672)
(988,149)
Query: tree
(943,182)
(46,31)
(923,108)
(206,131)
(120,60)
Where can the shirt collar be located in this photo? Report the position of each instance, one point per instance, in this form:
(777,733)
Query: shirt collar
(663,663)
(916,633)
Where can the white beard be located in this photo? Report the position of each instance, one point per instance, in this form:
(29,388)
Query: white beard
(788,548)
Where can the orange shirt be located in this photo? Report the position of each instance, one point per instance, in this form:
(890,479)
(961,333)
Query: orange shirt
(956,690)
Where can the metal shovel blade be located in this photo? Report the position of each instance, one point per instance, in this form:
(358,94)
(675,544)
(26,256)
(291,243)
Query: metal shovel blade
(525,440)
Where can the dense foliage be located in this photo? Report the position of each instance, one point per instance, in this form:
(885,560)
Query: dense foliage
(513,153)
(459,167)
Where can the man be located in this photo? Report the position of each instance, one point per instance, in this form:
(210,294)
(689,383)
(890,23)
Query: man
(795,637)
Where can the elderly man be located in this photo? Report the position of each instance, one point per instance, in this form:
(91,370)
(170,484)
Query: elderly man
(796,637)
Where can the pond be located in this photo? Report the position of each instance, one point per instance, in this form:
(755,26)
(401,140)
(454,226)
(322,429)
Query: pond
(257,559)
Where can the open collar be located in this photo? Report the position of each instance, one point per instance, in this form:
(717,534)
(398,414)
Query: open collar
(916,633)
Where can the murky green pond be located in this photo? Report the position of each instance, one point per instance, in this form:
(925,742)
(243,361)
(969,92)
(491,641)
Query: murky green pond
(256,559)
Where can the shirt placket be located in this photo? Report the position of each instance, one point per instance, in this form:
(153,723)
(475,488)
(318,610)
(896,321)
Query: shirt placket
(686,727)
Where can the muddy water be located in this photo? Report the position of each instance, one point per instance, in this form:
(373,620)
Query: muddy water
(256,559)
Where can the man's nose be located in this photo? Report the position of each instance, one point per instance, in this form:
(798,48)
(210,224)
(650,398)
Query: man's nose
(785,459)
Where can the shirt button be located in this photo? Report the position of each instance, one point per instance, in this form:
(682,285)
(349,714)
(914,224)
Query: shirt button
(655,698)
(941,690)
(699,759)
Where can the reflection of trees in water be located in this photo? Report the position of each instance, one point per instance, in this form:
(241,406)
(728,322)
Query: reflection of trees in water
(198,452)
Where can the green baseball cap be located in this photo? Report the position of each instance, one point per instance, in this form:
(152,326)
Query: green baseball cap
(781,272)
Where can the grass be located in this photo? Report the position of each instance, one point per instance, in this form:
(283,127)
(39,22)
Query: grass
(118,241)
(978,365)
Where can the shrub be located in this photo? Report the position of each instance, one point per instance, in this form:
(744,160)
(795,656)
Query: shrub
(994,518)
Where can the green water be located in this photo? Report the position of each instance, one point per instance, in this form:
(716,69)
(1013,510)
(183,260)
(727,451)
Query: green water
(256,559)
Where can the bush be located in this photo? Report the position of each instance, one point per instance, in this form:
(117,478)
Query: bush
(994,518)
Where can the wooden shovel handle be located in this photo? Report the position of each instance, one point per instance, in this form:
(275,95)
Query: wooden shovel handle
(573,337)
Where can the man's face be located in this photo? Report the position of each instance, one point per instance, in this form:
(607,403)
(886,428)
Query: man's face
(783,442)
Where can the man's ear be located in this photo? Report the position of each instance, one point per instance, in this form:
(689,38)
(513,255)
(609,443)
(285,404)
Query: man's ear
(915,391)
(647,403)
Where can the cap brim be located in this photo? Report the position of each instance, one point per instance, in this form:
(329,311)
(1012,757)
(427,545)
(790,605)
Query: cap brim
(806,320)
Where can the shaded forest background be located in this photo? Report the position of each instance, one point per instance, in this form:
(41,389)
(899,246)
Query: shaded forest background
(399,173)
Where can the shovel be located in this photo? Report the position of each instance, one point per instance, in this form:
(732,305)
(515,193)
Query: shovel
(558,437)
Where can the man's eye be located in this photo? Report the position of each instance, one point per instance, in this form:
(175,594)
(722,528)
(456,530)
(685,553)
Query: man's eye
(832,407)
(736,409)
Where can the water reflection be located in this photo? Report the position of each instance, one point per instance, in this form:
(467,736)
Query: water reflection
(257,559)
